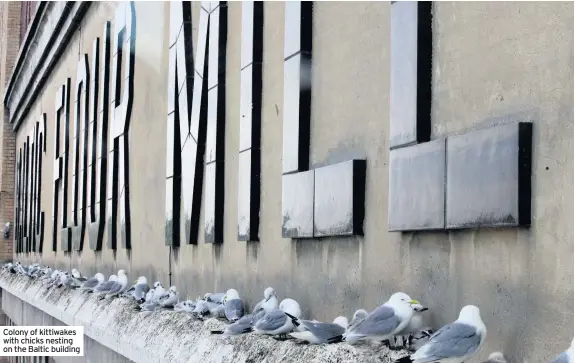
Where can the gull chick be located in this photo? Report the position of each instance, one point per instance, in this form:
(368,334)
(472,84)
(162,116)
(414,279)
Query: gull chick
(269,303)
(496,357)
(415,326)
(358,316)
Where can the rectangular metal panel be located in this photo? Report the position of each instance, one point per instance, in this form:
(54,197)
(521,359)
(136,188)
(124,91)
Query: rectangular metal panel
(489,177)
(417,187)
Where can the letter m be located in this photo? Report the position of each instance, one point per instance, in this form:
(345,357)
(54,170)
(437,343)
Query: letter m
(196,122)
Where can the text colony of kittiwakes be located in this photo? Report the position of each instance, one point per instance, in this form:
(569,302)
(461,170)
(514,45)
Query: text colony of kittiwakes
(398,323)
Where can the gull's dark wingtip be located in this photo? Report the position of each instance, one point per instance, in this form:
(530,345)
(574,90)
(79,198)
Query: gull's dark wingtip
(336,339)
(406,359)
(293,319)
(217,332)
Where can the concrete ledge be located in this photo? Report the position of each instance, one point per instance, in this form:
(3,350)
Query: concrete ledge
(166,336)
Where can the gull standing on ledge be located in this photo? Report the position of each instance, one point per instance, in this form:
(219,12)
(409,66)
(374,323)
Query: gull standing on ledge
(454,343)
(385,321)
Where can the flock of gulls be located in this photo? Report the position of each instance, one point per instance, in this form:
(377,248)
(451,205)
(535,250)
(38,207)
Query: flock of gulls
(398,323)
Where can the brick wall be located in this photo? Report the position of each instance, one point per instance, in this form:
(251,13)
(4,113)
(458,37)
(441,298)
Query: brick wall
(10,30)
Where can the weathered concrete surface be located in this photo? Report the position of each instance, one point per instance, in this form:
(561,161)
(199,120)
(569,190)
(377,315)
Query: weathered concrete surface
(167,336)
(494,62)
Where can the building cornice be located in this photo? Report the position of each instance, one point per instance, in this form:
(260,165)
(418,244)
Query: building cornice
(46,39)
(164,336)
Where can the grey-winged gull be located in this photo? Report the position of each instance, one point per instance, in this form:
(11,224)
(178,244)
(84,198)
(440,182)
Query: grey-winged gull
(120,286)
(383,322)
(455,342)
(92,282)
(320,333)
(276,322)
(234,306)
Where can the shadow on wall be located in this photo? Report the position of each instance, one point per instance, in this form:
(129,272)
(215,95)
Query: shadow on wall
(490,268)
(328,271)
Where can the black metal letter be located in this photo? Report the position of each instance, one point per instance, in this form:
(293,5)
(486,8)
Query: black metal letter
(60,170)
(122,100)
(99,140)
(216,124)
(198,129)
(182,142)
(39,213)
(250,121)
(81,118)
(18,204)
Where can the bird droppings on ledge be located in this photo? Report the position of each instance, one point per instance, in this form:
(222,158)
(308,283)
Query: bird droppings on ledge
(168,336)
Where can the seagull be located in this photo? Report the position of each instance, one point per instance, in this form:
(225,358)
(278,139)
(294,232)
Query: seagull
(385,321)
(186,306)
(419,339)
(148,304)
(496,357)
(216,297)
(64,279)
(92,282)
(358,316)
(455,342)
(415,326)
(106,286)
(218,311)
(276,322)
(566,356)
(243,325)
(320,333)
(158,291)
(204,308)
(170,298)
(234,306)
(139,290)
(119,286)
(269,303)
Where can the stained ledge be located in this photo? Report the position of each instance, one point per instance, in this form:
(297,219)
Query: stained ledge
(166,336)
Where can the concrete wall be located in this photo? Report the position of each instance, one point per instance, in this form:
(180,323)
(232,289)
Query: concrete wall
(24,314)
(493,63)
(9,44)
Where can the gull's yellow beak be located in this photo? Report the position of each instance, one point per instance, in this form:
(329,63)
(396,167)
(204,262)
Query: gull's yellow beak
(414,302)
